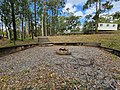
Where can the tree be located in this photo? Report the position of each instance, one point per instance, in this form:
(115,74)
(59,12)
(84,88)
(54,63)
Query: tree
(107,7)
(2,26)
(25,15)
(72,21)
(62,24)
(116,18)
(19,14)
(99,10)
(116,15)
(102,19)
(35,16)
(88,25)
(5,9)
(48,12)
(13,20)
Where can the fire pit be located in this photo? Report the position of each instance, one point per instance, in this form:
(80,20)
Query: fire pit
(63,51)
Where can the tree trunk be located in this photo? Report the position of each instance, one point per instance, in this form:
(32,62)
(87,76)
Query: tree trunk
(6,32)
(32,32)
(57,23)
(52,28)
(9,34)
(96,18)
(24,34)
(45,21)
(42,25)
(49,23)
(35,17)
(13,20)
(22,30)
(47,26)
(6,27)
(2,27)
(27,27)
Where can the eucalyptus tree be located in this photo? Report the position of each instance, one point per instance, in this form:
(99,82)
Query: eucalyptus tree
(35,16)
(102,19)
(116,18)
(12,2)
(2,25)
(98,6)
(88,24)
(14,11)
(116,15)
(48,13)
(72,21)
(34,3)
(97,12)
(50,4)
(88,17)
(29,20)
(62,24)
(41,14)
(58,5)
(22,15)
(107,6)
(54,7)
(31,25)
(7,17)
(25,17)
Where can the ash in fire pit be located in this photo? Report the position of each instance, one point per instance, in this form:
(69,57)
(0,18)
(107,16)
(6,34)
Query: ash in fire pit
(63,51)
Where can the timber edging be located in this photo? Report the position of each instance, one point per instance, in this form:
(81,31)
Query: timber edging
(12,49)
(72,44)
(113,51)
(90,44)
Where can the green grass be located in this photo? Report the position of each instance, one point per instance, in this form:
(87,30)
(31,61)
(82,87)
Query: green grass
(6,42)
(107,40)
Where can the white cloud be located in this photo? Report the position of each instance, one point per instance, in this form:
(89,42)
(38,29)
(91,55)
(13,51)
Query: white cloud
(79,13)
(76,2)
(91,10)
(70,4)
(116,7)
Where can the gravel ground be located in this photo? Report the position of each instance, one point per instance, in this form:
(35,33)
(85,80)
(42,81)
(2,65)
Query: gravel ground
(40,68)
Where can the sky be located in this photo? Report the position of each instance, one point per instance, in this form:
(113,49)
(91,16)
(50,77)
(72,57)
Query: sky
(75,7)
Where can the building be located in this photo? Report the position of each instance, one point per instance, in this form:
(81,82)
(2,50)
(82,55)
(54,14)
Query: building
(107,27)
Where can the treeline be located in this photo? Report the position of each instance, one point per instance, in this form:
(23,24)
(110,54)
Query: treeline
(30,18)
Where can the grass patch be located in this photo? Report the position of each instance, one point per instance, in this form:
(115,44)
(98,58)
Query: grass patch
(107,40)
(6,42)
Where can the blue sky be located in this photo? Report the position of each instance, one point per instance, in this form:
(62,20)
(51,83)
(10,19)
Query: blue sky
(75,7)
